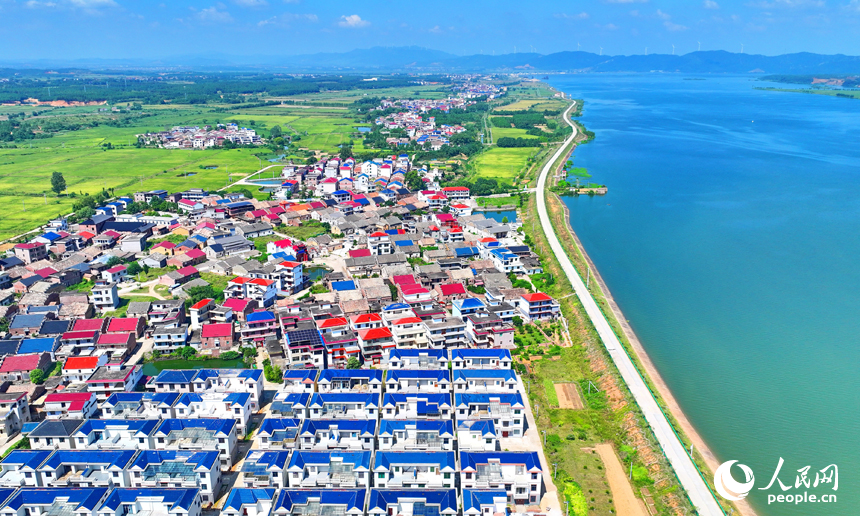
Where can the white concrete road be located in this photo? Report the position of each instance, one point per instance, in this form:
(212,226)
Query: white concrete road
(689,476)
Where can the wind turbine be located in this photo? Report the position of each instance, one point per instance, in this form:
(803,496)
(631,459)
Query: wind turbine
(601,50)
(646,51)
(577,46)
(700,45)
(742,48)
(673,50)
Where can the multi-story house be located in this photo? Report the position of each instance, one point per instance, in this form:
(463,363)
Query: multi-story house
(337,434)
(264,468)
(329,469)
(484,380)
(174,381)
(168,338)
(344,406)
(505,410)
(106,434)
(175,469)
(409,332)
(70,405)
(418,380)
(79,369)
(86,468)
(418,358)
(481,359)
(345,502)
(374,342)
(218,405)
(169,502)
(481,502)
(263,291)
(105,295)
(395,502)
(417,406)
(292,405)
(249,502)
(420,435)
(40,501)
(519,474)
(299,380)
(292,277)
(304,347)
(259,327)
(231,380)
(199,435)
(487,330)
(462,308)
(538,306)
(31,252)
(53,434)
(140,405)
(14,412)
(415,470)
(446,333)
(477,435)
(366,321)
(350,380)
(109,380)
(340,341)
(278,433)
(19,468)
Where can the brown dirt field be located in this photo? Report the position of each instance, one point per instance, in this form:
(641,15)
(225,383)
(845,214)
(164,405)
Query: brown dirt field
(568,396)
(625,501)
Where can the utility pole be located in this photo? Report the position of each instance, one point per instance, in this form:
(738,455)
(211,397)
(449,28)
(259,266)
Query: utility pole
(544,437)
(631,470)
(587,276)
(554,468)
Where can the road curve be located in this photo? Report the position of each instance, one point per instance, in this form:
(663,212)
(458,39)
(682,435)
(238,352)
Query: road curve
(686,471)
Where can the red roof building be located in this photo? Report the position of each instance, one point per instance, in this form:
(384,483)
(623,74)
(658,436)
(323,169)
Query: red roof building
(134,325)
(89,324)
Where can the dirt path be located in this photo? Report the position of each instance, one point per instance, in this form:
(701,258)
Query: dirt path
(625,501)
(568,396)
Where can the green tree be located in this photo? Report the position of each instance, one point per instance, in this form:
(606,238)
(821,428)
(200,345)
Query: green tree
(273,374)
(186,352)
(353,363)
(249,352)
(393,291)
(4,325)
(85,213)
(58,182)
(505,220)
(275,132)
(518,321)
(37,376)
(134,268)
(113,261)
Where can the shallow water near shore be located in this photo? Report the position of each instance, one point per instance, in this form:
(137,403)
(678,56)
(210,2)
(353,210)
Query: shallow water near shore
(730,239)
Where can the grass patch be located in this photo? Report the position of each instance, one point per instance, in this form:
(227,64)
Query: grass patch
(303,232)
(503,164)
(551,395)
(498,201)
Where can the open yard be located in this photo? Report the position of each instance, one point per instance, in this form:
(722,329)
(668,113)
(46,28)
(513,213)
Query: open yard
(503,164)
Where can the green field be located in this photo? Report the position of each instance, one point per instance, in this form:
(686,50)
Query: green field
(497,201)
(503,164)
(510,132)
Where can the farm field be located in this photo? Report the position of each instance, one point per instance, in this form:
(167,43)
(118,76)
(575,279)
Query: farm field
(503,164)
(520,105)
(510,132)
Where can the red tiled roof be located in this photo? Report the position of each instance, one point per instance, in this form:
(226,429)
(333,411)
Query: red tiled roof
(534,298)
(409,290)
(84,334)
(407,320)
(379,234)
(86,235)
(332,322)
(359,253)
(187,271)
(262,282)
(195,253)
(240,280)
(217,330)
(200,304)
(44,273)
(88,324)
(455,189)
(374,333)
(29,246)
(59,397)
(452,288)
(404,279)
(365,318)
(114,338)
(290,264)
(81,363)
(166,244)
(122,324)
(20,363)
(118,268)
(237,304)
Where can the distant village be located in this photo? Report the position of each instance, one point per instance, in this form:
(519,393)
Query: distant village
(194,137)
(360,338)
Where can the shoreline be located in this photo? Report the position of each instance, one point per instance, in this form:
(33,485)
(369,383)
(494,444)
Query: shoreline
(672,406)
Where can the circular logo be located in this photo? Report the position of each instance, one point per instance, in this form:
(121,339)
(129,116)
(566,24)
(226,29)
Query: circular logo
(727,486)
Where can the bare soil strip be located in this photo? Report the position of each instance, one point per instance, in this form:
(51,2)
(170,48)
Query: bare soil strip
(568,396)
(625,501)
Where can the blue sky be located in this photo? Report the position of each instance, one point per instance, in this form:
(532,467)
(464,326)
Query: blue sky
(31,29)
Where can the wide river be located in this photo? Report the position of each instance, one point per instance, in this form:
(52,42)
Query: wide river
(730,239)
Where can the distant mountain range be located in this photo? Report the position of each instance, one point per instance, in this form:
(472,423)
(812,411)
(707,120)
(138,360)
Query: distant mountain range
(417,59)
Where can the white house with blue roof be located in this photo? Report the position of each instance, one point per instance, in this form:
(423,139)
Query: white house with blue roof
(20,468)
(418,358)
(219,405)
(86,468)
(185,469)
(344,406)
(415,435)
(249,502)
(468,358)
(278,433)
(484,380)
(231,380)
(470,305)
(477,435)
(337,434)
(418,380)
(174,381)
(311,502)
(107,434)
(265,468)
(139,405)
(290,405)
(518,473)
(168,502)
(415,470)
(388,502)
(28,501)
(505,410)
(350,380)
(417,406)
(482,502)
(299,380)
(329,469)
(199,435)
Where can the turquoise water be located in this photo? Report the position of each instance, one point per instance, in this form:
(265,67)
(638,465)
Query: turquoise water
(500,215)
(729,238)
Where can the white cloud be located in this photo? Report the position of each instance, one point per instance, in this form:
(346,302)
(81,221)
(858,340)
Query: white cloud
(626,1)
(674,27)
(288,18)
(352,21)
(608,26)
(292,1)
(662,15)
(787,4)
(33,4)
(853,5)
(564,16)
(90,4)
(435,30)
(251,3)
(213,15)
(710,4)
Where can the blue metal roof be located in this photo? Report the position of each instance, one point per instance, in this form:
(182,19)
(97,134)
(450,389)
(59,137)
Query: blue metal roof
(112,458)
(244,496)
(27,458)
(466,251)
(263,315)
(51,236)
(261,461)
(475,499)
(446,460)
(512,399)
(174,497)
(162,399)
(176,376)
(469,460)
(271,425)
(479,374)
(440,375)
(469,303)
(43,345)
(85,498)
(137,426)
(437,354)
(204,459)
(341,286)
(380,499)
(364,427)
(480,353)
(301,374)
(403,242)
(359,459)
(395,306)
(330,375)
(424,399)
(445,427)
(321,398)
(485,426)
(352,499)
(223,426)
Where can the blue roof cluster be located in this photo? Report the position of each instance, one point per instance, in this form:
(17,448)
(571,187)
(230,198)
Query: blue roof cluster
(352,499)
(330,375)
(445,427)
(161,399)
(469,461)
(513,399)
(84,498)
(480,374)
(205,459)
(240,497)
(466,353)
(320,398)
(112,458)
(301,374)
(182,498)
(446,460)
(440,375)
(380,499)
(476,499)
(222,426)
(364,427)
(359,459)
